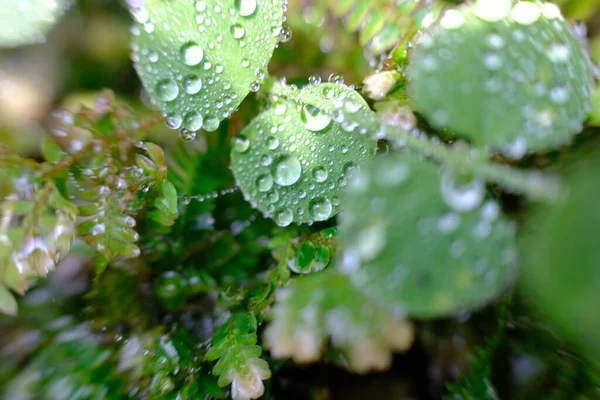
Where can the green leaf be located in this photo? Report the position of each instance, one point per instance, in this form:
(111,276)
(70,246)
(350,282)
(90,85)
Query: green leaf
(514,79)
(422,241)
(199,59)
(292,160)
(27,21)
(165,212)
(560,275)
(51,150)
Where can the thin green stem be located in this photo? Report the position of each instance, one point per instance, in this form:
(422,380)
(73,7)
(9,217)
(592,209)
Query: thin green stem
(532,184)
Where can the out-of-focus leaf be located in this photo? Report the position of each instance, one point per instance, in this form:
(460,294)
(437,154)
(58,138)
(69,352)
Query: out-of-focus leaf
(561,270)
(416,238)
(514,79)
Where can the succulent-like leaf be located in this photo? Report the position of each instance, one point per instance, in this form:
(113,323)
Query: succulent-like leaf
(511,78)
(421,241)
(292,160)
(199,59)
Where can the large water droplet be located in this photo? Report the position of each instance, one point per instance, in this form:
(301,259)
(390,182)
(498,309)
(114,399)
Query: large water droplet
(314,119)
(559,53)
(284,217)
(320,174)
(320,209)
(192,121)
(286,170)
(167,90)
(237,31)
(192,84)
(174,120)
(272,142)
(241,144)
(264,182)
(245,7)
(210,123)
(191,54)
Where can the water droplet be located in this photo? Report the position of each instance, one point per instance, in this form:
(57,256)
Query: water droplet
(192,84)
(314,119)
(495,41)
(525,13)
(210,123)
(320,174)
(493,61)
(273,196)
(167,90)
(464,197)
(241,144)
(174,120)
(284,217)
(516,149)
(336,78)
(279,107)
(255,86)
(192,121)
(452,19)
(314,80)
(285,34)
(238,31)
(266,160)
(448,223)
(286,170)
(559,94)
(328,92)
(320,209)
(559,52)
(272,142)
(245,7)
(201,5)
(264,183)
(192,54)
(371,240)
(187,135)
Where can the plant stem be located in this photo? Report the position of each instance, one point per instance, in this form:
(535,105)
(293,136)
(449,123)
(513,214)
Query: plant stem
(532,184)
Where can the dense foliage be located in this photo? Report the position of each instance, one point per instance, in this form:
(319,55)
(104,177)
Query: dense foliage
(423,219)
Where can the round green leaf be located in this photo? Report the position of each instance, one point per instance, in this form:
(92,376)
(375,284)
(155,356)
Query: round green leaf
(27,21)
(417,239)
(199,59)
(561,258)
(292,160)
(514,79)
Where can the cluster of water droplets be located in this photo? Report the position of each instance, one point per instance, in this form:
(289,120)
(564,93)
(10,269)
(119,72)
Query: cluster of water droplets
(442,245)
(515,78)
(199,59)
(293,160)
